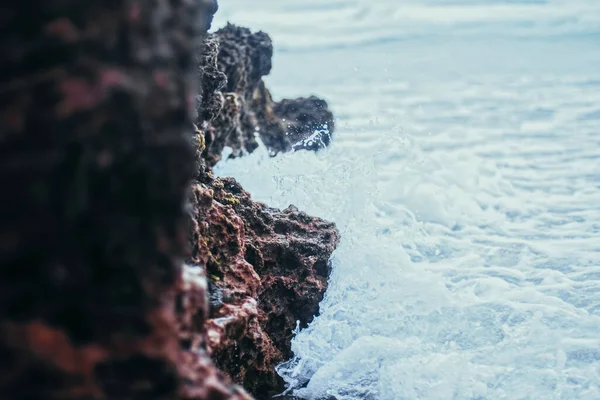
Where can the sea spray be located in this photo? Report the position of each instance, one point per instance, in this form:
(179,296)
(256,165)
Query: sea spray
(429,296)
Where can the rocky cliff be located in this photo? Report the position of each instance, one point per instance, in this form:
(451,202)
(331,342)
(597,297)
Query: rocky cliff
(266,268)
(112,219)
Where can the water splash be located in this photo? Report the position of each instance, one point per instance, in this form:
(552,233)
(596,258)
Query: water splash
(319,139)
(469,266)
(438,290)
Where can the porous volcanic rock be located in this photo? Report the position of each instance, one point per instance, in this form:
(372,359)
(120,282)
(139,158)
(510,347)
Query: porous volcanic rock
(267,269)
(235,107)
(96,100)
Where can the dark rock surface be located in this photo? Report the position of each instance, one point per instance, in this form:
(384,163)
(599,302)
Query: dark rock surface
(236,107)
(267,269)
(95,106)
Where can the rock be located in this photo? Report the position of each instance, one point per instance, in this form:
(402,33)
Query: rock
(268,268)
(235,106)
(95,161)
(199,377)
(309,122)
(290,252)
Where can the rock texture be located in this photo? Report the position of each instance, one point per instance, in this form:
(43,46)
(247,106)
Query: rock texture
(236,108)
(95,160)
(101,294)
(267,269)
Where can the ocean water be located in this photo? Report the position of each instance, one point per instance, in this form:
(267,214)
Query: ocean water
(464,176)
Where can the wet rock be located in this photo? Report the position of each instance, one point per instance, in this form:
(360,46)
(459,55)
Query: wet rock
(236,109)
(290,252)
(269,268)
(309,122)
(95,159)
(200,379)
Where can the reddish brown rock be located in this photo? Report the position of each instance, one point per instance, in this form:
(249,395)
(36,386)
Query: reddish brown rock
(267,269)
(236,108)
(95,161)
(290,251)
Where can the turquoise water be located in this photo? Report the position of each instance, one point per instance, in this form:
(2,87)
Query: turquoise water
(465,179)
